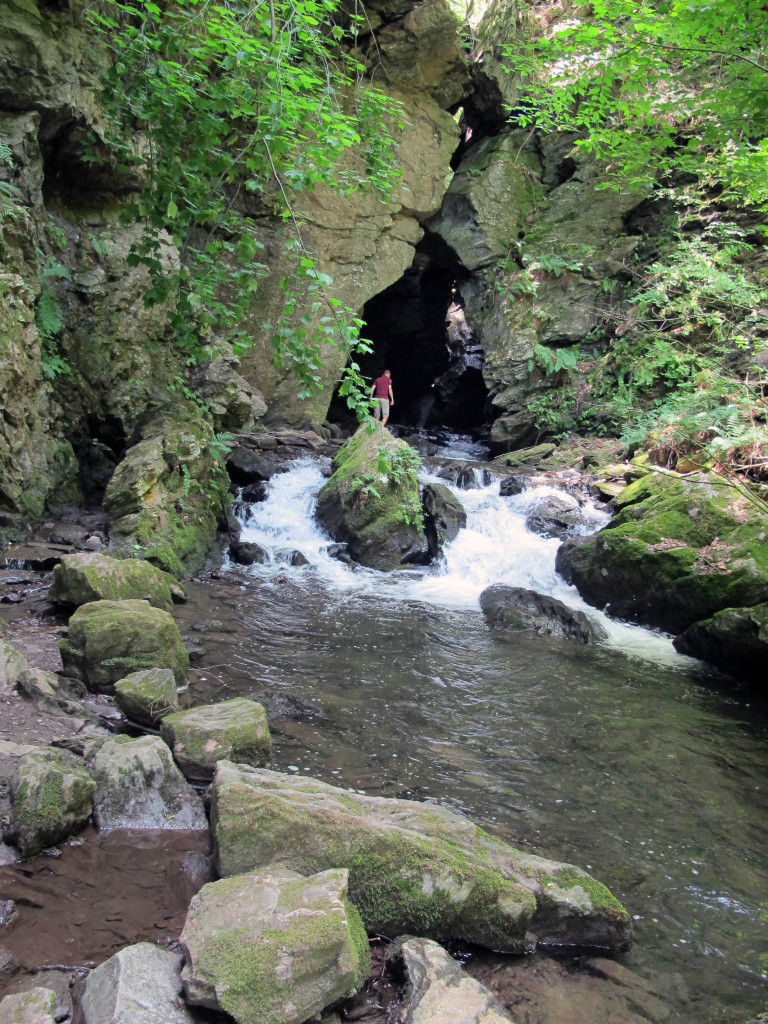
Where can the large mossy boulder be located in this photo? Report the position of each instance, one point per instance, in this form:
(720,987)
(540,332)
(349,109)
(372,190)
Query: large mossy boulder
(437,989)
(517,610)
(139,787)
(735,639)
(372,501)
(677,551)
(84,577)
(51,797)
(413,868)
(273,947)
(234,730)
(147,697)
(109,640)
(139,985)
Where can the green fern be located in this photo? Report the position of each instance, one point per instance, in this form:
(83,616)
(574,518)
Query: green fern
(10,196)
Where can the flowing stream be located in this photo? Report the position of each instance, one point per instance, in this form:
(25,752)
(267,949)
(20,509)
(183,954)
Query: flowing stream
(624,758)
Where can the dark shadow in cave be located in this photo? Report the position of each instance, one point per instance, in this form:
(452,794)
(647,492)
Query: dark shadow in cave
(418,331)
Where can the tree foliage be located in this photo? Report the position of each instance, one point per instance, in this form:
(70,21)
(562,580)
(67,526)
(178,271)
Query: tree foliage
(222,112)
(672,95)
(658,87)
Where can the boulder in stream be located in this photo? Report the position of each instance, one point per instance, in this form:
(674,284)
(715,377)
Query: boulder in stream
(35,1006)
(555,515)
(444,516)
(437,989)
(677,551)
(734,639)
(516,609)
(247,553)
(139,786)
(372,501)
(51,797)
(148,696)
(84,577)
(108,640)
(273,947)
(413,867)
(234,730)
(139,985)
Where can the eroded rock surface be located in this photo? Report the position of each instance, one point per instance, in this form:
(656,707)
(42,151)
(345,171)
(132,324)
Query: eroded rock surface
(147,696)
(33,1007)
(677,551)
(85,577)
(373,512)
(734,639)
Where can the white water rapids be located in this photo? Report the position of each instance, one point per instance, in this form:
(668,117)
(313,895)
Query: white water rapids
(495,547)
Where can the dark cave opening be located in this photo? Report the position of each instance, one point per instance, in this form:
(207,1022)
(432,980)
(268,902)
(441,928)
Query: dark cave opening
(418,331)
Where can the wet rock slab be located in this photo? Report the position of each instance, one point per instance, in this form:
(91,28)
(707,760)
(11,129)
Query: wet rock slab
(539,990)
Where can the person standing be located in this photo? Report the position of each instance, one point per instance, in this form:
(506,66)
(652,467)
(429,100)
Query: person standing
(381,391)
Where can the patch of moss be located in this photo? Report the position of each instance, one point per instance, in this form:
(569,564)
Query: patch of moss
(600,897)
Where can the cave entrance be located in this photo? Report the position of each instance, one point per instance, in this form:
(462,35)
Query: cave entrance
(418,331)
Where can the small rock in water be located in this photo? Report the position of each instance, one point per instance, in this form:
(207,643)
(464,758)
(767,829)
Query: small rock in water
(7,912)
(92,544)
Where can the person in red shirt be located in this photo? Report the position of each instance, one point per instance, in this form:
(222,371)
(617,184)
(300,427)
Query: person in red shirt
(381,390)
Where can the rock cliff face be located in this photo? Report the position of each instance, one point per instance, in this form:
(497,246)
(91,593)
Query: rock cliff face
(88,375)
(97,377)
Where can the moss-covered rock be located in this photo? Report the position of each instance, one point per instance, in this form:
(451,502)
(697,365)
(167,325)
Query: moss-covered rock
(85,576)
(234,730)
(375,511)
(273,947)
(139,786)
(51,797)
(109,640)
(147,696)
(677,551)
(413,868)
(169,493)
(734,639)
